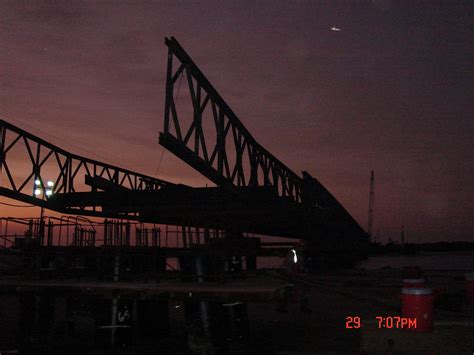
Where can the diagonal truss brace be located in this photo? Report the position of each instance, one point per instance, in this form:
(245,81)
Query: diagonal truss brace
(28,162)
(252,165)
(231,157)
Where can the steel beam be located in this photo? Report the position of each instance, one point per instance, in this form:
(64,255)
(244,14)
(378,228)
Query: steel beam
(211,156)
(27,162)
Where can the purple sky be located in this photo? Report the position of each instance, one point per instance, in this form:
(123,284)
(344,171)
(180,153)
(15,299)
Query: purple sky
(391,92)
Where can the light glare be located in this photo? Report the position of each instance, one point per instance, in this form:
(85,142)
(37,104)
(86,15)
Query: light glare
(295,258)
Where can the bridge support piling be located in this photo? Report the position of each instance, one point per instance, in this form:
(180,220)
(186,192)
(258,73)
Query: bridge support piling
(114,320)
(202,304)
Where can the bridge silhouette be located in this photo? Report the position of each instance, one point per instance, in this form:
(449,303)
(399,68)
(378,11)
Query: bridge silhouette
(255,192)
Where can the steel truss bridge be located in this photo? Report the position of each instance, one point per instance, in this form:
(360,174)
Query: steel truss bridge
(255,192)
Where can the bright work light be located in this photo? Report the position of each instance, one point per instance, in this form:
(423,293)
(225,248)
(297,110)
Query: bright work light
(295,257)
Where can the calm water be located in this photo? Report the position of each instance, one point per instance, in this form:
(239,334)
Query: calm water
(462,261)
(426,260)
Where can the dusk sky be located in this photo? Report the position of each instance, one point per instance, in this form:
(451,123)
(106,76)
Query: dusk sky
(391,92)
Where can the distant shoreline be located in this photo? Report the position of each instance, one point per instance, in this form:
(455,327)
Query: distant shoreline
(413,249)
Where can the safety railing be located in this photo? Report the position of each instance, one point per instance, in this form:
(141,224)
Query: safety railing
(79,231)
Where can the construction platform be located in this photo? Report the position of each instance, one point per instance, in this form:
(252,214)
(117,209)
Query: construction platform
(254,289)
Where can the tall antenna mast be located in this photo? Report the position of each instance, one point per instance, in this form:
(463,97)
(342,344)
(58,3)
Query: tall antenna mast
(371,206)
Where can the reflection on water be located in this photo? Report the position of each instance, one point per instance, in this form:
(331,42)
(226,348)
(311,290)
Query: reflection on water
(82,318)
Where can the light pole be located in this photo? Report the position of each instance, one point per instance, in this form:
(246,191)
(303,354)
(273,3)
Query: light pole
(41,190)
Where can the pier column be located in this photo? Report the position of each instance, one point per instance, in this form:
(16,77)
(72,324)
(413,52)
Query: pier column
(160,266)
(114,322)
(116,268)
(203,306)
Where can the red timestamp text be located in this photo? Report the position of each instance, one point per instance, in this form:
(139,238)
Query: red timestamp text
(353,322)
(396,322)
(383,322)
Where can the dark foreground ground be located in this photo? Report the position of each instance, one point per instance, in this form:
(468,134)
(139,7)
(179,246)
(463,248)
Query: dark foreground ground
(334,297)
